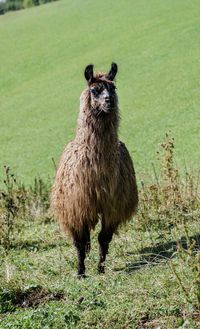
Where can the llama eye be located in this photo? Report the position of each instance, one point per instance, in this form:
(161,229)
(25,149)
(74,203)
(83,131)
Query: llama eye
(94,92)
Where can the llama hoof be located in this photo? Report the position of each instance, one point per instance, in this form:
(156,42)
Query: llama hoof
(87,248)
(101,269)
(81,276)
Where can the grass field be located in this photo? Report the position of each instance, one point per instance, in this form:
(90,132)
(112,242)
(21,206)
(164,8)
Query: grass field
(135,292)
(152,278)
(44,51)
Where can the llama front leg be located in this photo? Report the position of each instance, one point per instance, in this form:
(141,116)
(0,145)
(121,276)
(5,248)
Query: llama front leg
(105,236)
(82,244)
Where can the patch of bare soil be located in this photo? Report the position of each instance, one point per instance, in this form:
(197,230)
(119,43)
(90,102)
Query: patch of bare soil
(35,296)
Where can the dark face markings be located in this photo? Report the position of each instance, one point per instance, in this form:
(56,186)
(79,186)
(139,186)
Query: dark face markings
(102,97)
(97,89)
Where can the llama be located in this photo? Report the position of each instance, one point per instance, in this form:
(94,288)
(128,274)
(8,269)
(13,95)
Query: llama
(95,178)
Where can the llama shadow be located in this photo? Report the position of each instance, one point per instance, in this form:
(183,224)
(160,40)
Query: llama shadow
(162,252)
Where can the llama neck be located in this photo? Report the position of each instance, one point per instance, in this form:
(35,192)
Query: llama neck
(99,132)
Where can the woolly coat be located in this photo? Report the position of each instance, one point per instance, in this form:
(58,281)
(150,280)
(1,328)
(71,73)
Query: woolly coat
(95,177)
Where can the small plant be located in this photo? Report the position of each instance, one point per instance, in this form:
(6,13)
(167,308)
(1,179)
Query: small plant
(38,201)
(169,199)
(188,255)
(167,206)
(18,202)
(12,205)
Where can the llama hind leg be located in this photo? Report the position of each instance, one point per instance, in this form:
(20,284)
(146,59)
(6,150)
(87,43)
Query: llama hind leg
(105,237)
(82,244)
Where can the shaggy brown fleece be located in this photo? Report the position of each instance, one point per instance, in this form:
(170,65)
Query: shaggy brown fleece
(95,178)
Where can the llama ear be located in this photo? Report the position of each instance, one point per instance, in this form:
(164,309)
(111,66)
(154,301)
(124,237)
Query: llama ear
(89,73)
(113,71)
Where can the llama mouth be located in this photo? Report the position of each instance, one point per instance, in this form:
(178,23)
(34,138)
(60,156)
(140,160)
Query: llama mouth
(107,108)
(98,112)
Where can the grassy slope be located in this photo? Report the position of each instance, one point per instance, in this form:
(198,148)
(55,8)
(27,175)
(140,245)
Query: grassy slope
(45,49)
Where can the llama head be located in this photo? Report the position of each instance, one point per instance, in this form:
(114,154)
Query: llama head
(101,88)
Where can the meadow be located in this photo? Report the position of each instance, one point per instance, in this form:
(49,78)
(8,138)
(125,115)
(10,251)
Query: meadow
(44,51)
(152,277)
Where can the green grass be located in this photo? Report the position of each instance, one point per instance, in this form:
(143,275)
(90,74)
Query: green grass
(44,51)
(132,293)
